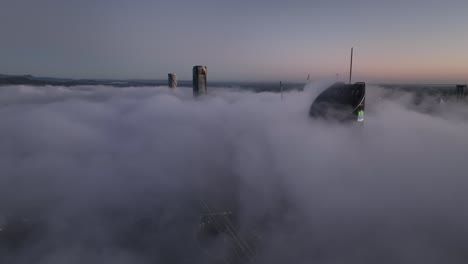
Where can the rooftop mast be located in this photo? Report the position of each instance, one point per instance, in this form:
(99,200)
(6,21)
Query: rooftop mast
(351,66)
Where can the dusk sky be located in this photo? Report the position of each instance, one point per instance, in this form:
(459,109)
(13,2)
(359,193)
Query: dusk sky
(423,41)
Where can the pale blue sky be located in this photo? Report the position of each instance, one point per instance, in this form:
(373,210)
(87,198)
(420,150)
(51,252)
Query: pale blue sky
(413,40)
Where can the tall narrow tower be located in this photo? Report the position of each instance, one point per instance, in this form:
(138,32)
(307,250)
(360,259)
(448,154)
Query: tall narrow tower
(172,80)
(199,80)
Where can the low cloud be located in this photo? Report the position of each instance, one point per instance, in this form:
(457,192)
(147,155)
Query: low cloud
(117,175)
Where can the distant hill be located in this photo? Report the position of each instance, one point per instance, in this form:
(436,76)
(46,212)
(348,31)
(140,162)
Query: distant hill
(23,79)
(43,81)
(32,80)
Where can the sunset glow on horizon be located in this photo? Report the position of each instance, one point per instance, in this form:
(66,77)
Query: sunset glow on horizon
(397,41)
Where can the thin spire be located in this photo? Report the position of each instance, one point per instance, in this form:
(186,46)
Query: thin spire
(351,67)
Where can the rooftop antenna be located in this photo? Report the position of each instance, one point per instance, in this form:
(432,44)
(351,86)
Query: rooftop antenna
(351,66)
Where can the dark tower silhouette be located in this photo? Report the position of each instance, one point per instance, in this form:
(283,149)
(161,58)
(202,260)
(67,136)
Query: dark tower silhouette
(460,91)
(341,101)
(172,80)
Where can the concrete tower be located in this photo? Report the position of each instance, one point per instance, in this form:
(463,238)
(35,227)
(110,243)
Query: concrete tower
(199,80)
(172,80)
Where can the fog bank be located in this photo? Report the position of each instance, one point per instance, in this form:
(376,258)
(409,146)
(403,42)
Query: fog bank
(117,174)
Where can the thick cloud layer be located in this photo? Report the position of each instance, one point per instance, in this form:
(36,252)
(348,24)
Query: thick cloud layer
(117,175)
